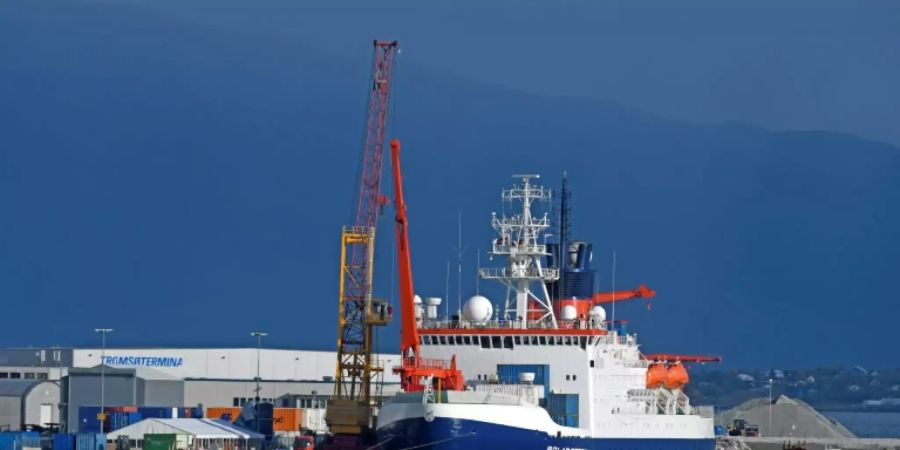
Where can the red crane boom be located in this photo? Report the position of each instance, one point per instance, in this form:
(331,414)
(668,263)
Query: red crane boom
(414,368)
(608,297)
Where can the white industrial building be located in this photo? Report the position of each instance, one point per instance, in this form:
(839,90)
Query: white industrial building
(210,377)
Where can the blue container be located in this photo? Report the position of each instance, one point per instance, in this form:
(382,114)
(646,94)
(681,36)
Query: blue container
(64,441)
(20,440)
(90,441)
(563,409)
(509,374)
(155,412)
(87,419)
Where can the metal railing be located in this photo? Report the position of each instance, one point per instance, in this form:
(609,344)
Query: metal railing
(529,272)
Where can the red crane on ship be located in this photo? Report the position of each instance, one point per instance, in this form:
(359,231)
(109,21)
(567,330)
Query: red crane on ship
(414,368)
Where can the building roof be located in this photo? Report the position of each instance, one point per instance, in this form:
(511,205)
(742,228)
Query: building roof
(17,388)
(199,428)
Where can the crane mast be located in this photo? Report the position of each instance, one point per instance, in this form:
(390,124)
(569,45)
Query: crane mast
(350,410)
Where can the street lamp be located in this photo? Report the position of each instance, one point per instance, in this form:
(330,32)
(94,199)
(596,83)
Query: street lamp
(770,407)
(103,332)
(259,335)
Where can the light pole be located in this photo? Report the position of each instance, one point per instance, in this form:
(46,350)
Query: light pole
(103,332)
(770,407)
(259,335)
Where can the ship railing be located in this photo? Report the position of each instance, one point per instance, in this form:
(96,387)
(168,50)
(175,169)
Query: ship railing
(531,273)
(429,363)
(488,325)
(501,248)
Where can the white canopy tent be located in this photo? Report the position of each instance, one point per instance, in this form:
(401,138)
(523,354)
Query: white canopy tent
(202,433)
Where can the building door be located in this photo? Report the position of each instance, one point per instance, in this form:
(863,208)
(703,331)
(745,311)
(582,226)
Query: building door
(46,414)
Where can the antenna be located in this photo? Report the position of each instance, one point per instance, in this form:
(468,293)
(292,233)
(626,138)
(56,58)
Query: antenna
(614,290)
(447,292)
(459,254)
(477,266)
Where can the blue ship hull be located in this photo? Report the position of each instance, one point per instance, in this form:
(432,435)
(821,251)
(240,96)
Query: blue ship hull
(453,434)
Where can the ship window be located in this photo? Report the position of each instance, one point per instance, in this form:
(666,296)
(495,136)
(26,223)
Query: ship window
(543,340)
(459,340)
(518,340)
(574,377)
(552,340)
(495,341)
(567,378)
(443,340)
(450,340)
(592,363)
(467,340)
(508,342)
(485,342)
(583,342)
(534,340)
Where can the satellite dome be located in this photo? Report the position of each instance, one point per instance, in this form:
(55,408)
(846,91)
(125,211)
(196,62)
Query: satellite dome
(598,313)
(568,312)
(478,309)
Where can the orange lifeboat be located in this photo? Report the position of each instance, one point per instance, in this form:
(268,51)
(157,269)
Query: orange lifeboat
(657,375)
(677,376)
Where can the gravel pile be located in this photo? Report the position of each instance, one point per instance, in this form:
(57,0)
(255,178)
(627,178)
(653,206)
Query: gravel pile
(790,418)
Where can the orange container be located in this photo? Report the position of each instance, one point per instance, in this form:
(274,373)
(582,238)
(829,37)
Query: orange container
(284,419)
(287,419)
(217,412)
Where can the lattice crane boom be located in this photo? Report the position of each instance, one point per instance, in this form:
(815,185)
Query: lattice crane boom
(350,411)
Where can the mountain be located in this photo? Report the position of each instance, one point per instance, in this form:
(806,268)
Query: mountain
(186,185)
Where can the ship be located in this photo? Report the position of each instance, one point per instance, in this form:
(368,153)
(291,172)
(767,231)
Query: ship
(543,368)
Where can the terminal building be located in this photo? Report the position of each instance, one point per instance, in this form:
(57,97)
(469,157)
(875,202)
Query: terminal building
(44,386)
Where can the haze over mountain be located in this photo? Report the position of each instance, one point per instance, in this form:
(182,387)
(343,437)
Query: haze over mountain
(186,184)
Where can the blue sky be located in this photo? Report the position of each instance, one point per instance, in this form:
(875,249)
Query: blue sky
(180,172)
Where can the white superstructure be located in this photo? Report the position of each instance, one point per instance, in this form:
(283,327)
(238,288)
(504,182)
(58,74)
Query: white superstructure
(542,363)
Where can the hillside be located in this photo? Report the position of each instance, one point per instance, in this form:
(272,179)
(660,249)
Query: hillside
(199,178)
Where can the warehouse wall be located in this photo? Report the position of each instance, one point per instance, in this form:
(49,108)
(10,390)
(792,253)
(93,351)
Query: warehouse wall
(10,412)
(164,393)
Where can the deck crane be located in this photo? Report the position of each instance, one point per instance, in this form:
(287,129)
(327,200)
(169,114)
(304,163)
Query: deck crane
(350,412)
(414,369)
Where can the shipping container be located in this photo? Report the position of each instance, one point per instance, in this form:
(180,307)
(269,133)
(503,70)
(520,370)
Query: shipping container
(283,419)
(90,441)
(87,419)
(124,409)
(155,412)
(563,409)
(64,441)
(313,419)
(287,419)
(227,412)
(20,440)
(509,374)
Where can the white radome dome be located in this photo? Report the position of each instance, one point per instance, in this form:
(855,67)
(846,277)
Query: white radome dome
(598,313)
(568,312)
(478,309)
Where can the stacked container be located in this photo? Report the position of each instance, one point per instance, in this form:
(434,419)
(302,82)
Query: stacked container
(283,419)
(90,441)
(64,441)
(20,440)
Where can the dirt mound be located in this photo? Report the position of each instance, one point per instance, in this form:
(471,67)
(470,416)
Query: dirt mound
(790,418)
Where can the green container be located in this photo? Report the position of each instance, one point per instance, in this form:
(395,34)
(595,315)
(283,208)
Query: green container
(160,441)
